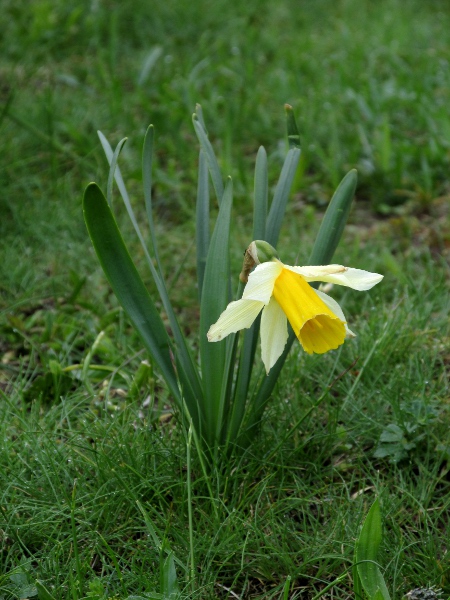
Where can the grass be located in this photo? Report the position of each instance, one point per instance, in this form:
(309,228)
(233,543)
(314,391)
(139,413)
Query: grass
(82,448)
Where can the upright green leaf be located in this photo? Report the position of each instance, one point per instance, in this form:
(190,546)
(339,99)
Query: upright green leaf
(211,159)
(202,220)
(249,344)
(327,240)
(292,130)
(366,551)
(112,170)
(199,113)
(117,174)
(215,297)
(280,198)
(126,282)
(147,162)
(334,221)
(267,228)
(261,193)
(186,362)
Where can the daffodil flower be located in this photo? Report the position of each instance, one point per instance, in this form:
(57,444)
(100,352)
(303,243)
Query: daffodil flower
(283,294)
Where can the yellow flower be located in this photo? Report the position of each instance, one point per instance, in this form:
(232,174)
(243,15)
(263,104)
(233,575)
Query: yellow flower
(283,294)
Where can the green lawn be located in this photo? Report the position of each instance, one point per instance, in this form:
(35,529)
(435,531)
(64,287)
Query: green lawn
(97,474)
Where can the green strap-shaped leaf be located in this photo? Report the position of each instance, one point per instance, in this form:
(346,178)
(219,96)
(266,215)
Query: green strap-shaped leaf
(248,350)
(366,551)
(185,359)
(292,130)
(278,207)
(126,282)
(199,113)
(268,228)
(112,170)
(211,159)
(327,240)
(280,198)
(202,220)
(261,193)
(334,221)
(246,363)
(147,161)
(215,297)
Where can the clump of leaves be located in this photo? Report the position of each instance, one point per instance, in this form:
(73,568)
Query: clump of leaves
(398,440)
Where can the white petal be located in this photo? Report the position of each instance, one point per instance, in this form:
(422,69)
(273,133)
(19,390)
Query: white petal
(274,333)
(261,281)
(237,315)
(354,278)
(334,307)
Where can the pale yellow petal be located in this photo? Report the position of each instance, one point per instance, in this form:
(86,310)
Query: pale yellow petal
(274,333)
(261,281)
(237,315)
(346,276)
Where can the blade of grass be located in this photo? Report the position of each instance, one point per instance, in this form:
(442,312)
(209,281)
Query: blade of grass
(160,546)
(43,137)
(76,554)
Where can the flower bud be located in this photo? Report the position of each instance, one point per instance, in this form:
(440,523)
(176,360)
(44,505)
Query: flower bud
(258,252)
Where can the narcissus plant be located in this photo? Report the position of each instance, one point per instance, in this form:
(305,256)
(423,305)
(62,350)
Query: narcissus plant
(220,388)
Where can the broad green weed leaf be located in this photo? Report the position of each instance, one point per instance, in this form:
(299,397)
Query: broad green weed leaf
(366,552)
(169,582)
(42,591)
